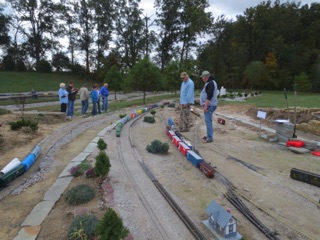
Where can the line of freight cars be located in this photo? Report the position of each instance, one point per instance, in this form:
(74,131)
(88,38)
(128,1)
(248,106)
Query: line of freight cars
(125,119)
(16,168)
(187,150)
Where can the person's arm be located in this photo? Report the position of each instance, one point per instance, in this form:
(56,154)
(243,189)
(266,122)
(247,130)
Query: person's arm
(209,90)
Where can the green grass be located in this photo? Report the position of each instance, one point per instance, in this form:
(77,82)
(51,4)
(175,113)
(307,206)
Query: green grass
(276,99)
(15,82)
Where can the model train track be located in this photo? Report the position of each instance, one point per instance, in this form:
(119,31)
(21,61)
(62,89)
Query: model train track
(143,200)
(233,194)
(50,145)
(178,210)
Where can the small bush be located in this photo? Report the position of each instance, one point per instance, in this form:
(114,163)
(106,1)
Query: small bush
(24,123)
(80,168)
(153,112)
(158,147)
(83,227)
(4,111)
(81,193)
(122,115)
(101,144)
(102,166)
(171,105)
(149,119)
(111,227)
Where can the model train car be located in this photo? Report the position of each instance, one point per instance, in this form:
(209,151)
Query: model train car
(125,119)
(304,176)
(186,149)
(15,171)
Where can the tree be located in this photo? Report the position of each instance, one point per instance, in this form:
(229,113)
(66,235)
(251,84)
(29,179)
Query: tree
(114,79)
(60,61)
(129,26)
(39,25)
(255,74)
(144,76)
(103,19)
(84,15)
(180,22)
(4,28)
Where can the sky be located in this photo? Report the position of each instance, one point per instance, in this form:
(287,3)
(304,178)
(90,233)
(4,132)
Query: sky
(229,8)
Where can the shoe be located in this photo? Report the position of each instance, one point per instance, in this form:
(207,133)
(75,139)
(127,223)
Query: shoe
(207,140)
(204,138)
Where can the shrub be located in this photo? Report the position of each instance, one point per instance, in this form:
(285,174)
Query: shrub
(80,168)
(158,147)
(122,115)
(101,144)
(111,227)
(83,227)
(24,123)
(171,105)
(149,119)
(102,166)
(81,193)
(4,111)
(153,112)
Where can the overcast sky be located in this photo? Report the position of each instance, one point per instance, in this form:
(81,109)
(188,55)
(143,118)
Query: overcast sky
(229,8)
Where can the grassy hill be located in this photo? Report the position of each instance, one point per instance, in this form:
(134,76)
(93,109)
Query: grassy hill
(15,82)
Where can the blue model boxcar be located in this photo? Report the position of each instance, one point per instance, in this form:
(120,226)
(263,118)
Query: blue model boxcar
(194,158)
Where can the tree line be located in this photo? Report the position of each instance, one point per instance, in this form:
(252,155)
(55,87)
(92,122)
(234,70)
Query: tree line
(270,46)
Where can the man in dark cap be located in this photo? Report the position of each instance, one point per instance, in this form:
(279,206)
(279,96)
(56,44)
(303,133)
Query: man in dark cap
(209,102)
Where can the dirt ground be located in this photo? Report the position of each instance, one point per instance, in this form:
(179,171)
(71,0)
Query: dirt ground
(263,186)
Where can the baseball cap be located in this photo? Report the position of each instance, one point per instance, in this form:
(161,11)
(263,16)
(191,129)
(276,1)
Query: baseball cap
(205,73)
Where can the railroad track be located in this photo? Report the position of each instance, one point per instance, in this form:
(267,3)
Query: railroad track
(177,209)
(232,194)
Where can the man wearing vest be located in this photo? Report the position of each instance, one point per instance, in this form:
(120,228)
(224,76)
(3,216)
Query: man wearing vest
(186,99)
(209,102)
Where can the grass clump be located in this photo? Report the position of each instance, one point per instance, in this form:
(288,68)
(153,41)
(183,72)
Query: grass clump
(83,227)
(24,123)
(158,147)
(149,119)
(111,227)
(81,193)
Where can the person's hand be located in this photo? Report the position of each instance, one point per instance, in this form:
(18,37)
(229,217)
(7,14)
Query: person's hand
(205,109)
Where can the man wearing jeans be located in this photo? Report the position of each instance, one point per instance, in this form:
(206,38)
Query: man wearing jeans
(186,99)
(209,102)
(84,97)
(72,90)
(104,94)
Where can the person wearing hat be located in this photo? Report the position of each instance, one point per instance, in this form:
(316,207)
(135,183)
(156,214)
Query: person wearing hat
(84,98)
(186,99)
(209,102)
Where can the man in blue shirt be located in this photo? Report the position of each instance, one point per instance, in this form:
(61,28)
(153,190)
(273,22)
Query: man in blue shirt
(104,94)
(186,99)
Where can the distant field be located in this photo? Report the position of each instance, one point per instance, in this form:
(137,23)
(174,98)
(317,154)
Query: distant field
(15,82)
(276,99)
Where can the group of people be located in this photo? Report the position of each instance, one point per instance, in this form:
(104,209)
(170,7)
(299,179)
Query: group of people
(208,101)
(67,97)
